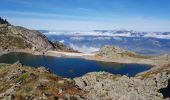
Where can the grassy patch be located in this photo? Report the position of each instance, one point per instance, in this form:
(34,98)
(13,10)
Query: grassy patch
(22,78)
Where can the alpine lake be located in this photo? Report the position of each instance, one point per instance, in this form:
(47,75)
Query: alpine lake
(73,67)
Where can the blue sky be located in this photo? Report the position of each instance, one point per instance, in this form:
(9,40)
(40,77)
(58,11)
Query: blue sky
(139,15)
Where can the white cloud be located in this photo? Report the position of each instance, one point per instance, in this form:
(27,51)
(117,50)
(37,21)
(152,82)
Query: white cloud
(77,38)
(107,35)
(62,41)
(102,38)
(155,35)
(84,48)
(90,33)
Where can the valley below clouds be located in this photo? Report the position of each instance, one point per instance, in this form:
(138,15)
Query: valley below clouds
(149,43)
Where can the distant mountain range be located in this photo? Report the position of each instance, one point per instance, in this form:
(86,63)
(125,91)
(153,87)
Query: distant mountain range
(150,43)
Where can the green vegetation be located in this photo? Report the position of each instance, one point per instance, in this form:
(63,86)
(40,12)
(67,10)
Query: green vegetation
(22,78)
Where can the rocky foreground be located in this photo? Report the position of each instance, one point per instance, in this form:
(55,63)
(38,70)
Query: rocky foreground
(18,82)
(105,86)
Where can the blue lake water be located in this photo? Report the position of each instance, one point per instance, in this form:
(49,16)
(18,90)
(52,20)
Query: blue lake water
(73,67)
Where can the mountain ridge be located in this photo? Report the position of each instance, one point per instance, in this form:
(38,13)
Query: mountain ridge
(17,37)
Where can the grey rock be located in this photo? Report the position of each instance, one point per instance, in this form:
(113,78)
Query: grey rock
(42,69)
(8,94)
(114,52)
(60,91)
(72,97)
(38,40)
(103,86)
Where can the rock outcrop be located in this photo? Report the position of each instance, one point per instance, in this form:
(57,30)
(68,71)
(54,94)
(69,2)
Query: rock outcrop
(116,52)
(61,47)
(105,86)
(15,37)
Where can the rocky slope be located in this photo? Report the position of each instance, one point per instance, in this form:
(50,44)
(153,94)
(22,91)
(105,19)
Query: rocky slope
(16,37)
(116,52)
(18,82)
(119,55)
(105,86)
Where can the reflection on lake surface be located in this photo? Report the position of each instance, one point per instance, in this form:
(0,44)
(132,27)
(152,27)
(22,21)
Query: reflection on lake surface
(72,67)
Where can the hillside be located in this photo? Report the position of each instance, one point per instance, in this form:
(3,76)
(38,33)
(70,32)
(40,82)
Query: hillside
(18,82)
(17,37)
(117,52)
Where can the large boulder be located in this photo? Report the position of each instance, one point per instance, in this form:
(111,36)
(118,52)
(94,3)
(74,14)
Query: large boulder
(105,86)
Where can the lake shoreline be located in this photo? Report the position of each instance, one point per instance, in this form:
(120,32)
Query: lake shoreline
(154,63)
(92,56)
